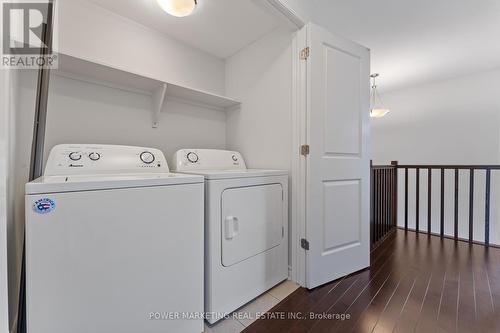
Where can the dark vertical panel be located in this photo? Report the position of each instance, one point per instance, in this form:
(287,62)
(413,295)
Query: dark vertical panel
(471,205)
(372,205)
(456,206)
(487,208)
(375,204)
(394,210)
(377,216)
(391,197)
(379,204)
(387,199)
(429,200)
(380,189)
(384,208)
(417,200)
(395,194)
(442,204)
(394,197)
(406,198)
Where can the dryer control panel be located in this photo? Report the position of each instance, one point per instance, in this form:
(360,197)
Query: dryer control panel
(208,159)
(84,159)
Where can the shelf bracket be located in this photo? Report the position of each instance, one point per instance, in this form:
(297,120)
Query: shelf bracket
(158,99)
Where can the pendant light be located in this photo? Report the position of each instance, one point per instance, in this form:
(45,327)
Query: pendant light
(377,108)
(178,8)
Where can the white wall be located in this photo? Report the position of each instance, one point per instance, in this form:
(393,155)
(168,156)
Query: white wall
(91,32)
(260,76)
(450,122)
(81,112)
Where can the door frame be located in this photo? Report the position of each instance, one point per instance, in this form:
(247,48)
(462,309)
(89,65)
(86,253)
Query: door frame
(299,162)
(6,139)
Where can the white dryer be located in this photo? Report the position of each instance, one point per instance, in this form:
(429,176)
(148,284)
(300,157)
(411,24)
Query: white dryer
(114,243)
(246,227)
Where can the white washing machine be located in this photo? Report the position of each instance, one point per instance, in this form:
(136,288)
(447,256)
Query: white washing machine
(114,243)
(246,227)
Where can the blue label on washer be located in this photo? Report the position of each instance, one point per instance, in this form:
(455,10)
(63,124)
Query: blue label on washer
(44,206)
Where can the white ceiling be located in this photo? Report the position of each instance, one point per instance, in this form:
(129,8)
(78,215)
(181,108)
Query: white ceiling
(415,42)
(219,27)
(412,42)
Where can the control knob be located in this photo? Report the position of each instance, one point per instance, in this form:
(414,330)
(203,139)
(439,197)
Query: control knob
(147,157)
(75,156)
(192,157)
(94,156)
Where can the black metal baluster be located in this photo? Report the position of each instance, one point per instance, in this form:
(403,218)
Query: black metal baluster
(417,200)
(429,199)
(406,199)
(391,218)
(372,204)
(384,205)
(375,200)
(471,205)
(387,202)
(394,222)
(456,206)
(442,204)
(381,210)
(377,219)
(487,208)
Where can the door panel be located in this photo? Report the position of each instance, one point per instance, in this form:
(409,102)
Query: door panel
(337,167)
(342,127)
(252,221)
(341,203)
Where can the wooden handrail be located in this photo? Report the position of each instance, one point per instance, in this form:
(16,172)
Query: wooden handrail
(448,166)
(384,185)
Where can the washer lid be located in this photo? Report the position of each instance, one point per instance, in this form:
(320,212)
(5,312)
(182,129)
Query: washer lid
(244,173)
(73,183)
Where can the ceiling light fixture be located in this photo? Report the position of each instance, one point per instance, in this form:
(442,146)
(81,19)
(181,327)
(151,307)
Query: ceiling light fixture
(377,108)
(178,8)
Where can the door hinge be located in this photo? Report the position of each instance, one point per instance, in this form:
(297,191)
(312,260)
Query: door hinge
(304,243)
(304,150)
(304,53)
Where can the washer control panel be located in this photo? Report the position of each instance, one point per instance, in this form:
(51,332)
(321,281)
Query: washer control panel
(208,159)
(74,159)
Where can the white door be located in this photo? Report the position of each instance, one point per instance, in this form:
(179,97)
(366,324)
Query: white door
(337,167)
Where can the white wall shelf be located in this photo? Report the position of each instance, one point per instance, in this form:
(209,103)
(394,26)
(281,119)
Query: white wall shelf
(159,91)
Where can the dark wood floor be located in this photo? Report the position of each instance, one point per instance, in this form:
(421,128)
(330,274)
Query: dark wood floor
(416,283)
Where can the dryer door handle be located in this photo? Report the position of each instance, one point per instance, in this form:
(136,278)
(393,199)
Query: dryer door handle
(231,227)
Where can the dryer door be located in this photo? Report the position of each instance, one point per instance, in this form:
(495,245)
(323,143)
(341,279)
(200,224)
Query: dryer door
(252,221)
